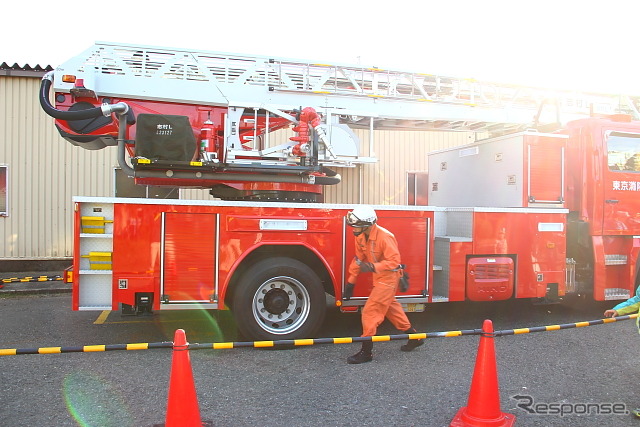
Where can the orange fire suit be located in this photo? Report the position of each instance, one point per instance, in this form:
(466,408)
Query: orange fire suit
(380,249)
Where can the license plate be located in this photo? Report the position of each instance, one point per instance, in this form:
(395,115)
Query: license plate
(412,307)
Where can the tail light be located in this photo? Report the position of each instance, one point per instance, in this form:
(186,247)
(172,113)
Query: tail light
(67,275)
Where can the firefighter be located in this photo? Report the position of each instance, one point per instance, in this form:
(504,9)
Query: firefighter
(376,252)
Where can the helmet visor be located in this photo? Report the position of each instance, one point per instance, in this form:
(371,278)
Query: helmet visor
(354,221)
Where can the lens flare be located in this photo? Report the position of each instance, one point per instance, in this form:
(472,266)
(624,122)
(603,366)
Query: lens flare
(200,325)
(91,401)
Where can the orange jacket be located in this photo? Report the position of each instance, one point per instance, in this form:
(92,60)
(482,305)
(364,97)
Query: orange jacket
(381,249)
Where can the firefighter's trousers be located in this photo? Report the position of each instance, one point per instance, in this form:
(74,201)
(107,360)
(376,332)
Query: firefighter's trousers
(382,303)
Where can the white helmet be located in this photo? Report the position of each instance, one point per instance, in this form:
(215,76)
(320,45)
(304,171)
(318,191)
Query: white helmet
(362,216)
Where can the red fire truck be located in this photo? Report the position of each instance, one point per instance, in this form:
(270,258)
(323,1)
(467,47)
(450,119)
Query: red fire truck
(527,213)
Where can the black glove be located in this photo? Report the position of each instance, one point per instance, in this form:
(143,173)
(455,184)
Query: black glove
(348,291)
(367,267)
(404,282)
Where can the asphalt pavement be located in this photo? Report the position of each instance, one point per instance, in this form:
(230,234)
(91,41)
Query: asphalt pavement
(583,372)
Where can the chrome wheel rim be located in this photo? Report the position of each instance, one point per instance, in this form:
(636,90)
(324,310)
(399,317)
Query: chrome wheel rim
(281,305)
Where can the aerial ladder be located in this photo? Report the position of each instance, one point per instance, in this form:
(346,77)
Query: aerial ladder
(203,119)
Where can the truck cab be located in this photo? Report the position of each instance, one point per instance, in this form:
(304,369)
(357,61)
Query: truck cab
(603,189)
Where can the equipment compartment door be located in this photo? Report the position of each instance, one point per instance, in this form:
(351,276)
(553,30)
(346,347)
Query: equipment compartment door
(545,171)
(188,257)
(413,235)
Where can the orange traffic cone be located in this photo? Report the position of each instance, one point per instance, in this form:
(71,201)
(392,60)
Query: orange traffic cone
(483,406)
(182,406)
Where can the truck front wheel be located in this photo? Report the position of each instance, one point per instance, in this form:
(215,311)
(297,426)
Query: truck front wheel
(279,298)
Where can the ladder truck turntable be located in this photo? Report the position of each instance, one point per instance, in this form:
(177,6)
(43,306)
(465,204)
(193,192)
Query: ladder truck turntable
(540,209)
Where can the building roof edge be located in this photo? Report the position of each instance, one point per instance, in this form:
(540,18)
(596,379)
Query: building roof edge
(26,70)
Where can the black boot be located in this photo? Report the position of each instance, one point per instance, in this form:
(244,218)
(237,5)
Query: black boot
(411,344)
(363,356)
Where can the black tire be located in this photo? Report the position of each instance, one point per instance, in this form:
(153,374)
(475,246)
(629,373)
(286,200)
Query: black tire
(279,298)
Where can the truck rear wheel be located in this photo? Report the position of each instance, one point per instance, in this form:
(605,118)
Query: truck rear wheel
(279,298)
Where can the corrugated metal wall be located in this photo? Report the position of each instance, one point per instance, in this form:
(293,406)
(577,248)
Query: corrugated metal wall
(45,171)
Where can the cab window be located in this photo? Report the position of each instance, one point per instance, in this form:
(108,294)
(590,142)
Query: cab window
(623,152)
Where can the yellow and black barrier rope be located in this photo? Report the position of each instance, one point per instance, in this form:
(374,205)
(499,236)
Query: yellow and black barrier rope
(84,348)
(31,279)
(306,342)
(564,326)
(316,341)
(380,338)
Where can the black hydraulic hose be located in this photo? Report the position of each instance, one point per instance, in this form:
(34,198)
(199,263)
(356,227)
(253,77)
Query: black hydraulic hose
(329,172)
(45,86)
(90,113)
(327,180)
(332,177)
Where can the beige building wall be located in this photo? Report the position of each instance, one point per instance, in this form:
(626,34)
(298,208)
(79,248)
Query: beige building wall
(45,172)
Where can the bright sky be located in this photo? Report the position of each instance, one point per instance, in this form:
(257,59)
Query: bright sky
(567,44)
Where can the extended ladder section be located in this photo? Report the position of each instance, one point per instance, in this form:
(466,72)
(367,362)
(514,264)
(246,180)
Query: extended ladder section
(362,97)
